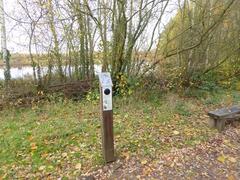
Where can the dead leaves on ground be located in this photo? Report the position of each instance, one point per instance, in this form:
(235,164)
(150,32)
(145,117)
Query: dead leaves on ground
(216,159)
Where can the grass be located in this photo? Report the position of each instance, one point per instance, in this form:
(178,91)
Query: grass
(63,139)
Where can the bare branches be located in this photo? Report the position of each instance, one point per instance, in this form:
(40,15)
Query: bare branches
(203,36)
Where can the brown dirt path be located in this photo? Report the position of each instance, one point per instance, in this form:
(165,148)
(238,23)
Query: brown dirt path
(219,158)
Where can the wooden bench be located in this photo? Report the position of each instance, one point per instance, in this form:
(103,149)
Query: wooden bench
(219,117)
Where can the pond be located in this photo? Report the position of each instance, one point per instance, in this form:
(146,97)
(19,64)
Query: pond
(27,71)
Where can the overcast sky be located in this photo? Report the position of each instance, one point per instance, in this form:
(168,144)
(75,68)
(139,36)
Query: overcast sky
(16,38)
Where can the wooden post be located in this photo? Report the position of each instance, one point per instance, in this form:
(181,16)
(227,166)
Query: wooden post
(106,116)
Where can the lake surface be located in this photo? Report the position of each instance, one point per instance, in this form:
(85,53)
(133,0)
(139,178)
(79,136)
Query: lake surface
(27,71)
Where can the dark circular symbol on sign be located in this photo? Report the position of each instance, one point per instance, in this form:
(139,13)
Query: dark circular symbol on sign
(107,91)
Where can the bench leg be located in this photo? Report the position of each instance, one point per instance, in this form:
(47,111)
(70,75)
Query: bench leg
(220,124)
(212,123)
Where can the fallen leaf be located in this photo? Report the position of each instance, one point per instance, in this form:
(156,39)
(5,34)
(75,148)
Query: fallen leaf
(78,166)
(221,158)
(143,162)
(126,155)
(64,155)
(50,167)
(232,159)
(30,138)
(231,177)
(41,168)
(176,132)
(228,143)
(176,117)
(147,171)
(44,155)
(33,146)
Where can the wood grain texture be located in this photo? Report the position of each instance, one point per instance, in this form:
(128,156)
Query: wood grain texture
(107,132)
(107,136)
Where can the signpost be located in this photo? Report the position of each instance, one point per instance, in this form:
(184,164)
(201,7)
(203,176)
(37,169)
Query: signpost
(107,116)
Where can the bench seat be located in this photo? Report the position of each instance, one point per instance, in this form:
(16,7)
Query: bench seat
(220,116)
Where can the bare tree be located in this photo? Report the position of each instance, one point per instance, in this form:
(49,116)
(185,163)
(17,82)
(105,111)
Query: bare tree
(5,52)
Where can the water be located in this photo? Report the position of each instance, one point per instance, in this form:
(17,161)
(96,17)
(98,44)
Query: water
(27,71)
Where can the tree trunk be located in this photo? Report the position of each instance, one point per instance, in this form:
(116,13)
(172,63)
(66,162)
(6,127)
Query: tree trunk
(5,53)
(57,53)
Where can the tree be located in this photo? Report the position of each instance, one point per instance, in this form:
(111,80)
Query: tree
(5,52)
(122,27)
(56,51)
(196,41)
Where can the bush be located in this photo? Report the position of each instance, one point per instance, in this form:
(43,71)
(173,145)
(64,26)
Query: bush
(93,96)
(124,85)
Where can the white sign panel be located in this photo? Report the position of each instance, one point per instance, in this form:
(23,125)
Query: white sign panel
(105,79)
(107,98)
(106,86)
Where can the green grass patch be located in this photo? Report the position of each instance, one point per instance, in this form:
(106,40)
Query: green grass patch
(64,139)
